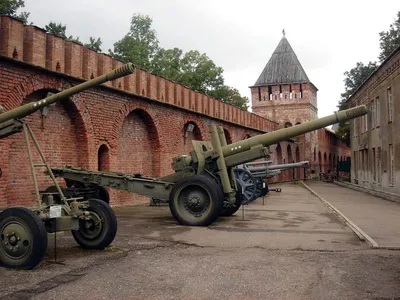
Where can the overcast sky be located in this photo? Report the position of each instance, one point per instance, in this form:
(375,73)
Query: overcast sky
(329,37)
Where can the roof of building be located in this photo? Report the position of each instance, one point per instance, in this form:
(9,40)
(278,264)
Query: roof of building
(283,67)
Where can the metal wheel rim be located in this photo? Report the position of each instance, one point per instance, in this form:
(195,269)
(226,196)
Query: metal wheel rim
(193,201)
(15,240)
(247,183)
(92,227)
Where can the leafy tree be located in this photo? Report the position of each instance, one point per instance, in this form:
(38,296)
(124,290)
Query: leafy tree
(353,79)
(57,29)
(230,95)
(200,73)
(140,45)
(10,7)
(94,44)
(60,30)
(390,39)
(167,63)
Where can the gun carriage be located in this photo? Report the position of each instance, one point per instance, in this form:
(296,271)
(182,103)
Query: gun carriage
(23,231)
(204,185)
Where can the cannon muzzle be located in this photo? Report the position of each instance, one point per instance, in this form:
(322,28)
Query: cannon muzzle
(283,134)
(29,108)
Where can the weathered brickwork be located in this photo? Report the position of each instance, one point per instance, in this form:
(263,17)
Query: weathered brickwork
(136,124)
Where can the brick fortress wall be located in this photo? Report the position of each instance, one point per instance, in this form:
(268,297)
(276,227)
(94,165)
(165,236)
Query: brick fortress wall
(134,124)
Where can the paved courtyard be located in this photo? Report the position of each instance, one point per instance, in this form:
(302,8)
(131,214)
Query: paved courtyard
(292,247)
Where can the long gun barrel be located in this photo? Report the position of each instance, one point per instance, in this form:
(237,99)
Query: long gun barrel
(283,134)
(29,108)
(300,164)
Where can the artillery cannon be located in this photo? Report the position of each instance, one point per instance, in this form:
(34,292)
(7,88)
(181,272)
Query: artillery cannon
(204,185)
(23,232)
(252,177)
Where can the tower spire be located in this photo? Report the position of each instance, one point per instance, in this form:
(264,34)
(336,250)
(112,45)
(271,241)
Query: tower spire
(283,32)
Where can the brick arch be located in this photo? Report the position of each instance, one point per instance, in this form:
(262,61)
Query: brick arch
(124,111)
(188,137)
(228,136)
(35,83)
(199,123)
(152,127)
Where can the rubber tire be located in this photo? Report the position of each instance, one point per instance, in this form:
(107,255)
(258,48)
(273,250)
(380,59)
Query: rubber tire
(108,232)
(211,187)
(39,238)
(102,194)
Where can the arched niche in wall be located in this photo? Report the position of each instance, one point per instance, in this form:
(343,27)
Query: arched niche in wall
(190,132)
(103,158)
(138,148)
(227,136)
(288,124)
(61,134)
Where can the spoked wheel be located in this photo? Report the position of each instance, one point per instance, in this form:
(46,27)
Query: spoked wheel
(23,238)
(196,201)
(97,230)
(248,184)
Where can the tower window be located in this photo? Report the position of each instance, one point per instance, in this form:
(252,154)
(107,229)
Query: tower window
(259,94)
(269,92)
(301,91)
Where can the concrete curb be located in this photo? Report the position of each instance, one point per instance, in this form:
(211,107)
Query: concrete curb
(357,230)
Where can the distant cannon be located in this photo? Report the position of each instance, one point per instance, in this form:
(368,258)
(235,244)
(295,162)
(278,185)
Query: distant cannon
(23,232)
(204,185)
(252,177)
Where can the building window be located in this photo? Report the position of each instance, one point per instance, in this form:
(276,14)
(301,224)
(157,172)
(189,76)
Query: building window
(390,104)
(366,165)
(379,164)
(365,123)
(354,127)
(374,165)
(372,112)
(378,112)
(391,164)
(288,124)
(290,95)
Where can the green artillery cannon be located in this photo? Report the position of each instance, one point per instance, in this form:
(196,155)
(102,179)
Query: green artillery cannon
(204,185)
(23,232)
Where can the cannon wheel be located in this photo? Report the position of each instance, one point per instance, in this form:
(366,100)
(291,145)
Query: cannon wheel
(248,184)
(99,229)
(102,193)
(196,201)
(23,238)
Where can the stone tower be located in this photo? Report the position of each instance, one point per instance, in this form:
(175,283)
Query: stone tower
(284,93)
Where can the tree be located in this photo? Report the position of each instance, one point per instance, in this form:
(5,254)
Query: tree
(60,30)
(390,39)
(10,7)
(230,95)
(353,79)
(57,29)
(94,44)
(200,73)
(140,45)
(167,63)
